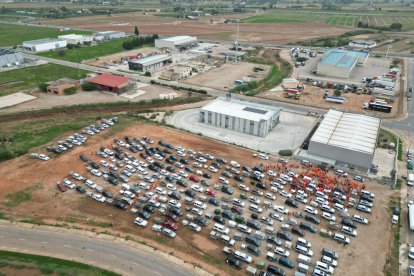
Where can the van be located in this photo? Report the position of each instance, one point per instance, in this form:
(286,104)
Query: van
(221,228)
(303,268)
(303,250)
(324,267)
(200,205)
(227,240)
(260,235)
(269,230)
(304,259)
(318,272)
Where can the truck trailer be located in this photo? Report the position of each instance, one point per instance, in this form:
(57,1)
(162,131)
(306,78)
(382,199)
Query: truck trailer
(378,107)
(334,99)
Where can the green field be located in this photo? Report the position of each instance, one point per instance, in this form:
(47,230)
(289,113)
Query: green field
(89,52)
(337,18)
(20,79)
(20,264)
(11,35)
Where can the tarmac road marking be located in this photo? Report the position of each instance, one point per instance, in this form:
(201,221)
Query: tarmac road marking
(22,239)
(136,263)
(44,242)
(90,249)
(66,245)
(113,256)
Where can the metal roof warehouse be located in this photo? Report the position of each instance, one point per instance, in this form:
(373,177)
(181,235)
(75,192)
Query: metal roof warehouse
(346,137)
(150,63)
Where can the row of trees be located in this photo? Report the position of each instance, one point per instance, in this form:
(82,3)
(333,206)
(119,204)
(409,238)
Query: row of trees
(392,27)
(139,41)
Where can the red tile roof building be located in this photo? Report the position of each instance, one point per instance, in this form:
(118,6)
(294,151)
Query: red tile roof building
(109,82)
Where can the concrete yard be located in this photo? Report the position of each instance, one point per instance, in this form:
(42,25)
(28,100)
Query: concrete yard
(15,99)
(291,130)
(385,161)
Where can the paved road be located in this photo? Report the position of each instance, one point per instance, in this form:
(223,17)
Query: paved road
(101,253)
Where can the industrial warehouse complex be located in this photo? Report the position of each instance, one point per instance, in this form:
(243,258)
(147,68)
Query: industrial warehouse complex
(149,64)
(44,44)
(176,42)
(340,63)
(346,138)
(241,116)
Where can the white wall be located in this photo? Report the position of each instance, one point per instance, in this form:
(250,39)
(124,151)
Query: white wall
(47,46)
(333,71)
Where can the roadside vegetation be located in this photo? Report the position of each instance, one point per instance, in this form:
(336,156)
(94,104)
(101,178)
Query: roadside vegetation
(81,53)
(31,77)
(13,35)
(18,263)
(392,262)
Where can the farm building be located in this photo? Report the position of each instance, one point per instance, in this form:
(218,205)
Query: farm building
(58,87)
(241,116)
(108,35)
(75,39)
(9,58)
(340,63)
(111,83)
(364,44)
(45,44)
(346,138)
(149,64)
(176,42)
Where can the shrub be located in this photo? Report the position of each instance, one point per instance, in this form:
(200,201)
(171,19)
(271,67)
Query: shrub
(43,87)
(87,86)
(147,74)
(337,92)
(70,91)
(285,152)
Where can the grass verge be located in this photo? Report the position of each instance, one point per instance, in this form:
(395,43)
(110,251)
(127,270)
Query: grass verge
(392,262)
(17,198)
(48,265)
(20,79)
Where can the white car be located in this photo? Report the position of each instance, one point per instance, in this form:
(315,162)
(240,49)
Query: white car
(179,165)
(271,173)
(171,187)
(285,194)
(238,202)
(197,211)
(349,231)
(328,216)
(90,183)
(181,153)
(244,187)
(197,165)
(69,184)
(158,157)
(270,196)
(321,201)
(160,191)
(164,172)
(201,159)
(174,203)
(281,209)
(112,159)
(197,188)
(282,252)
(96,172)
(43,157)
(276,216)
(266,220)
(183,174)
(141,222)
(311,210)
(104,163)
(234,164)
(411,252)
(254,200)
(99,197)
(149,160)
(212,169)
(143,171)
(209,156)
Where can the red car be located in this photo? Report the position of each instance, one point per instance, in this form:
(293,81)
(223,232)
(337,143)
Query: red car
(211,192)
(194,178)
(171,225)
(61,187)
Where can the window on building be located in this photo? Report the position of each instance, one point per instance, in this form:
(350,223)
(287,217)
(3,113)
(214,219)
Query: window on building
(209,118)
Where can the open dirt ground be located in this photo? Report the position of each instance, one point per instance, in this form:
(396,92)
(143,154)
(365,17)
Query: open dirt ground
(267,33)
(364,256)
(223,77)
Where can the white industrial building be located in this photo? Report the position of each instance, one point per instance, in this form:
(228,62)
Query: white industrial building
(45,44)
(108,35)
(241,116)
(75,38)
(176,42)
(149,64)
(364,44)
(9,58)
(340,63)
(346,138)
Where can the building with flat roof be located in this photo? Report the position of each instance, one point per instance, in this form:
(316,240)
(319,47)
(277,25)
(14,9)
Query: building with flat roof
(75,38)
(241,116)
(9,58)
(363,44)
(340,63)
(149,64)
(108,35)
(346,138)
(111,83)
(45,44)
(176,42)
(59,86)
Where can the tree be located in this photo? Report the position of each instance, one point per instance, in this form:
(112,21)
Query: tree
(136,31)
(43,87)
(396,26)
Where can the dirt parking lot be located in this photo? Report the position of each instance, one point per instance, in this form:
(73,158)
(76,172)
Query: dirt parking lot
(364,256)
(223,77)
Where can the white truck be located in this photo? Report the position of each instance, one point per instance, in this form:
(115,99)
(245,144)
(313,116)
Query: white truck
(410,179)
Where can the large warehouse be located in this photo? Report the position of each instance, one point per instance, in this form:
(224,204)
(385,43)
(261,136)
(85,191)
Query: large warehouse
(9,58)
(75,38)
(176,42)
(346,138)
(241,116)
(149,64)
(340,63)
(44,44)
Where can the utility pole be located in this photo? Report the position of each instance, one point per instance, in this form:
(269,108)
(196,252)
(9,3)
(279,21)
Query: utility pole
(237,39)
